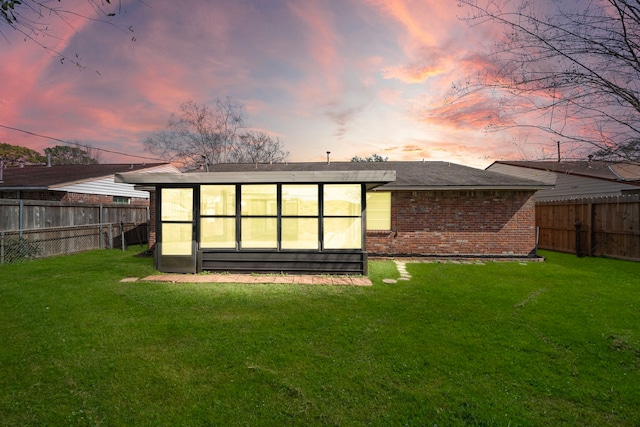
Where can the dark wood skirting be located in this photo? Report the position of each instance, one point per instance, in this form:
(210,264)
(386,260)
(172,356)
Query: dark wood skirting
(342,262)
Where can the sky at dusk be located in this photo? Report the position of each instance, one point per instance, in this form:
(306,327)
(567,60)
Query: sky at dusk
(353,77)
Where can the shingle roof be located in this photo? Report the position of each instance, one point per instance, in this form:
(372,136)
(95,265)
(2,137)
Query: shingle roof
(409,175)
(46,176)
(613,171)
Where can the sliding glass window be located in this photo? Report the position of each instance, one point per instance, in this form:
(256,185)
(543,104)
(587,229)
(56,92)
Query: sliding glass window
(342,213)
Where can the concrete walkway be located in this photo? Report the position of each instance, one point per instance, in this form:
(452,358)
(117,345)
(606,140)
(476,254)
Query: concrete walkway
(253,279)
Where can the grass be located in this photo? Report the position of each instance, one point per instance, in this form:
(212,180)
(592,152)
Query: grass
(553,343)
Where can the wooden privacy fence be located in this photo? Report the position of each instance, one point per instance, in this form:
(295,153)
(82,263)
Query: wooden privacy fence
(32,214)
(608,226)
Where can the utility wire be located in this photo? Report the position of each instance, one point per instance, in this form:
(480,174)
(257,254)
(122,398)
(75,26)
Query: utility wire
(78,144)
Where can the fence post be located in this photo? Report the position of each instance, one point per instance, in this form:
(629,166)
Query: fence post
(110,236)
(122,234)
(100,222)
(20,217)
(1,247)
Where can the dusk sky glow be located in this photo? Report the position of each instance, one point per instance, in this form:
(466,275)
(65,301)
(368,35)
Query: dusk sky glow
(354,77)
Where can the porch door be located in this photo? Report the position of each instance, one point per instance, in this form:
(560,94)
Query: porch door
(176,250)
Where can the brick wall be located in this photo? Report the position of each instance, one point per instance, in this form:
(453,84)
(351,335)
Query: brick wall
(471,223)
(152,219)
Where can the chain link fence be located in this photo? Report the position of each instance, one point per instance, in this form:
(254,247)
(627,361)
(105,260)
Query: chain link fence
(25,245)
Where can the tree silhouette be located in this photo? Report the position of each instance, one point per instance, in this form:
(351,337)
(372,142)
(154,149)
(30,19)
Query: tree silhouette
(574,74)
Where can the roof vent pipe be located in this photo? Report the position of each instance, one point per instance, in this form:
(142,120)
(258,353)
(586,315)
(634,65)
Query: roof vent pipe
(328,161)
(1,169)
(49,160)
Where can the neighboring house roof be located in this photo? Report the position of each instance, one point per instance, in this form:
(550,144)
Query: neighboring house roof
(88,179)
(613,171)
(575,179)
(419,175)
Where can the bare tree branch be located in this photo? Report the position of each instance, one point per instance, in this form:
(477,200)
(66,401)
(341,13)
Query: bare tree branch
(202,135)
(33,19)
(578,68)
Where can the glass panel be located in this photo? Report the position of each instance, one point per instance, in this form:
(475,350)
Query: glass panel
(259,200)
(176,239)
(177,204)
(260,233)
(379,211)
(218,233)
(218,200)
(342,233)
(342,199)
(300,200)
(299,233)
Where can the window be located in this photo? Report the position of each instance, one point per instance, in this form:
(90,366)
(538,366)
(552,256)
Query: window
(379,211)
(342,216)
(218,216)
(259,210)
(120,200)
(342,200)
(299,223)
(176,239)
(176,217)
(275,216)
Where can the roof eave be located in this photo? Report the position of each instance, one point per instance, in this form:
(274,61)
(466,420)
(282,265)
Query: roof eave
(258,177)
(27,187)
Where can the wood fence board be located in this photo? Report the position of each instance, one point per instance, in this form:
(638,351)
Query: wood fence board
(607,226)
(45,214)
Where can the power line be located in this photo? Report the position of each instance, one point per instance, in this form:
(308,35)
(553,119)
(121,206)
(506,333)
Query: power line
(78,144)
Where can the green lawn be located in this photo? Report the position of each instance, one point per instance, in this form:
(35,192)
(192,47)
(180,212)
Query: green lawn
(553,343)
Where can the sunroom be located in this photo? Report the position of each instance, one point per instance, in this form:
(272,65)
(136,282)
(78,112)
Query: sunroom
(302,221)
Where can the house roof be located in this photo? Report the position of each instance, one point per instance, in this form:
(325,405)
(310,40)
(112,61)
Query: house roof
(383,175)
(611,171)
(418,175)
(45,177)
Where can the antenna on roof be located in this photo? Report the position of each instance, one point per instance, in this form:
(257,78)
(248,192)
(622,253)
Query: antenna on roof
(328,161)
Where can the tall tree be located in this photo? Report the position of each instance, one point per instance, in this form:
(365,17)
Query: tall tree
(15,155)
(202,135)
(68,155)
(573,73)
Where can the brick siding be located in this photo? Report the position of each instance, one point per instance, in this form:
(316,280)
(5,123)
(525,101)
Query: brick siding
(459,223)
(152,219)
